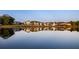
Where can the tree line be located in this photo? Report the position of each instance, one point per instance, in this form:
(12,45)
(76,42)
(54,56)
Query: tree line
(6,20)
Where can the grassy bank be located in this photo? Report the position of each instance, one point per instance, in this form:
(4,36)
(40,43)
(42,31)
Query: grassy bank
(23,26)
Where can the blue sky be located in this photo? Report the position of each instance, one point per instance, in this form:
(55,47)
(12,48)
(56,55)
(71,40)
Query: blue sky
(43,15)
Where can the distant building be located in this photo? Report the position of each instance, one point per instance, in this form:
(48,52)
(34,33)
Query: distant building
(27,22)
(68,23)
(53,24)
(41,23)
(48,23)
(35,23)
(32,23)
(45,24)
(18,23)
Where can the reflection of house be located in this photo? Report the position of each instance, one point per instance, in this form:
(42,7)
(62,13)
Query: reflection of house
(27,30)
(46,28)
(59,28)
(32,29)
(63,24)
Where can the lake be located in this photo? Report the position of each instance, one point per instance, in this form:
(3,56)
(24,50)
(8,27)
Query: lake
(39,38)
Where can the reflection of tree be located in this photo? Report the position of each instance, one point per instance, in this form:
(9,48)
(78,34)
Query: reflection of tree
(77,29)
(6,33)
(74,29)
(77,23)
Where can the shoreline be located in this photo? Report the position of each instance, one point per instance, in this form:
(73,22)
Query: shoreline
(24,26)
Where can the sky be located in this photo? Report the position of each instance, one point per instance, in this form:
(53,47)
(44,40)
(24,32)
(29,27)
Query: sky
(43,15)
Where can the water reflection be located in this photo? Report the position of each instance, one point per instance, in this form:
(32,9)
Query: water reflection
(6,33)
(36,29)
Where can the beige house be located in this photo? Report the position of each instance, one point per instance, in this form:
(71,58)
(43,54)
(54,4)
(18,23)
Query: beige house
(27,22)
(68,23)
(48,23)
(33,23)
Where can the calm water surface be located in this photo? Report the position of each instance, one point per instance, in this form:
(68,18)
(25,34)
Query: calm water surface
(39,40)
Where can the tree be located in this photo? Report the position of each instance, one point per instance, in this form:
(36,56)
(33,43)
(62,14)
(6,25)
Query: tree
(6,20)
(77,23)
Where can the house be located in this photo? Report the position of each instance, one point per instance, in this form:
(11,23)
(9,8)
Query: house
(68,23)
(48,23)
(27,22)
(41,23)
(35,23)
(32,23)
